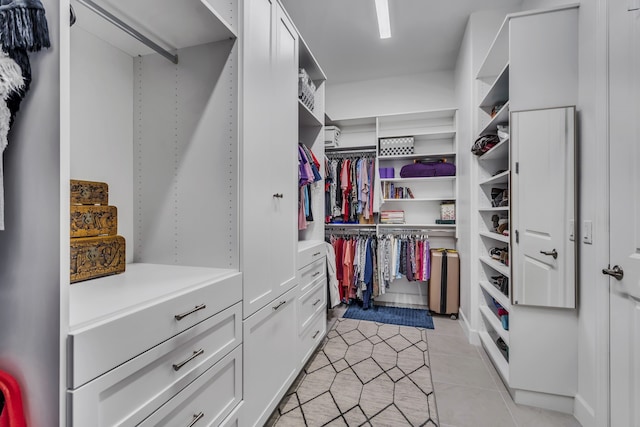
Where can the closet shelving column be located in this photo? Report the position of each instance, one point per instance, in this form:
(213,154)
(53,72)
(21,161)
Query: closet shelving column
(311,134)
(435,138)
(169,155)
(493,177)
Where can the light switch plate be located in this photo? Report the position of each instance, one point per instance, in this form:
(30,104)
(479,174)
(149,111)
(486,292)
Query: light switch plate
(587,235)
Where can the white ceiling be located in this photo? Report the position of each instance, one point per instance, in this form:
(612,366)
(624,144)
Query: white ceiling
(425,35)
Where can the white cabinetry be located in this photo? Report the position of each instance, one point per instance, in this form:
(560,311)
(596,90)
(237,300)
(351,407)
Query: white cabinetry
(269,166)
(164,135)
(531,65)
(270,365)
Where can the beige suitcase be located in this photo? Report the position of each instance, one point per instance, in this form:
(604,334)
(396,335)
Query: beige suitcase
(444,285)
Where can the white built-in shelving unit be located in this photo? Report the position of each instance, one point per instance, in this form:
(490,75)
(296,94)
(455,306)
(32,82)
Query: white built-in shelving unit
(530,65)
(435,138)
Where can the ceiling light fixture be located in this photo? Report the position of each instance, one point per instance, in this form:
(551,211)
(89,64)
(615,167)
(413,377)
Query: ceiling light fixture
(384,26)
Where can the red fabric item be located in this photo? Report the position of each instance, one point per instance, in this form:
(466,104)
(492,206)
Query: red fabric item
(13,413)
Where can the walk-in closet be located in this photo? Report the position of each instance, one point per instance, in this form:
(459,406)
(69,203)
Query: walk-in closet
(319,213)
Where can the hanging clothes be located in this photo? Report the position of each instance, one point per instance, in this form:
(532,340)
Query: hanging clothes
(349,197)
(308,174)
(403,256)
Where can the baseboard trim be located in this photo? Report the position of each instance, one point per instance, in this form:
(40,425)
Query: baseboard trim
(471,334)
(552,402)
(583,412)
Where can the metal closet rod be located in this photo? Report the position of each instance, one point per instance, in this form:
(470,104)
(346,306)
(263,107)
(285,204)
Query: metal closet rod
(128,29)
(354,150)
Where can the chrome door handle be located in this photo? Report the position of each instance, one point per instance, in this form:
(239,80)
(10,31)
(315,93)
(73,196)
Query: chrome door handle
(278,195)
(553,253)
(279,305)
(616,272)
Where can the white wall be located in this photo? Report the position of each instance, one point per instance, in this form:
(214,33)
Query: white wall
(591,406)
(102,122)
(30,245)
(402,94)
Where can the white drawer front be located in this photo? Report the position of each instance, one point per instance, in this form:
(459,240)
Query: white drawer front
(314,301)
(270,359)
(206,401)
(311,273)
(234,419)
(311,338)
(103,346)
(311,254)
(129,393)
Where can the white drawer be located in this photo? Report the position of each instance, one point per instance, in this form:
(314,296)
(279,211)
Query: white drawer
(127,394)
(314,301)
(234,419)
(270,359)
(310,339)
(103,345)
(206,401)
(308,275)
(309,252)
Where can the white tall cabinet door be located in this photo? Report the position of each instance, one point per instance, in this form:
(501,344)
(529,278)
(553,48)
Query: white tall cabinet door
(285,164)
(544,194)
(269,147)
(624,140)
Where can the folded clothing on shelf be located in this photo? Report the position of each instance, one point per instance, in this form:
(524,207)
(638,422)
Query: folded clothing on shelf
(428,169)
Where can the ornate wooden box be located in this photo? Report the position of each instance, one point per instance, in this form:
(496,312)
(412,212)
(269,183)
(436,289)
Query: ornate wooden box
(89,193)
(93,257)
(90,221)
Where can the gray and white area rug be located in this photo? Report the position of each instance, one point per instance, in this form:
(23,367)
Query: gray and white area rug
(363,374)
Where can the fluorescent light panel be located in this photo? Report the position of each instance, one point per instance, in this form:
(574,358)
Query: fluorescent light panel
(384,26)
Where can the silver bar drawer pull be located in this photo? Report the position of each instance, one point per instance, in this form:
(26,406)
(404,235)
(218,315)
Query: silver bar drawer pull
(315,335)
(196,353)
(183,315)
(317,273)
(279,305)
(316,254)
(316,303)
(196,418)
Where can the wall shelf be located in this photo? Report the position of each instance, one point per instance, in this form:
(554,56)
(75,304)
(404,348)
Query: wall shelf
(498,209)
(498,92)
(495,354)
(423,179)
(499,152)
(502,117)
(306,116)
(418,156)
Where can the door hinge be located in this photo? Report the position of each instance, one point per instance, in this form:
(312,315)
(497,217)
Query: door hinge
(517,167)
(517,237)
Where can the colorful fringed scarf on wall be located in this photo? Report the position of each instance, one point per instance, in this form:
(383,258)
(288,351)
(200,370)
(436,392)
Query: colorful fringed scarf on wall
(23,29)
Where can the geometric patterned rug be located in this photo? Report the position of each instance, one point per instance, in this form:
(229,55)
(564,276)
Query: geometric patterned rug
(363,374)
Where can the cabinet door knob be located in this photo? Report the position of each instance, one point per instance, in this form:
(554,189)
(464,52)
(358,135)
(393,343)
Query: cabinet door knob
(278,195)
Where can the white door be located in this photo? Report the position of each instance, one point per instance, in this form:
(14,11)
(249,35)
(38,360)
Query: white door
(624,140)
(543,168)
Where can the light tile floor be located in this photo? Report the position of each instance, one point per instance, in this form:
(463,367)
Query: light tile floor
(469,392)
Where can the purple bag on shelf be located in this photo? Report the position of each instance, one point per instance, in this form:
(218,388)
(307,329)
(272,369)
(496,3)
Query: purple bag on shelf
(428,169)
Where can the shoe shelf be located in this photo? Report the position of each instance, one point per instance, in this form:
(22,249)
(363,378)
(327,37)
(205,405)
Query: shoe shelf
(492,319)
(501,178)
(495,293)
(498,359)
(496,265)
(495,236)
(499,151)
(498,209)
